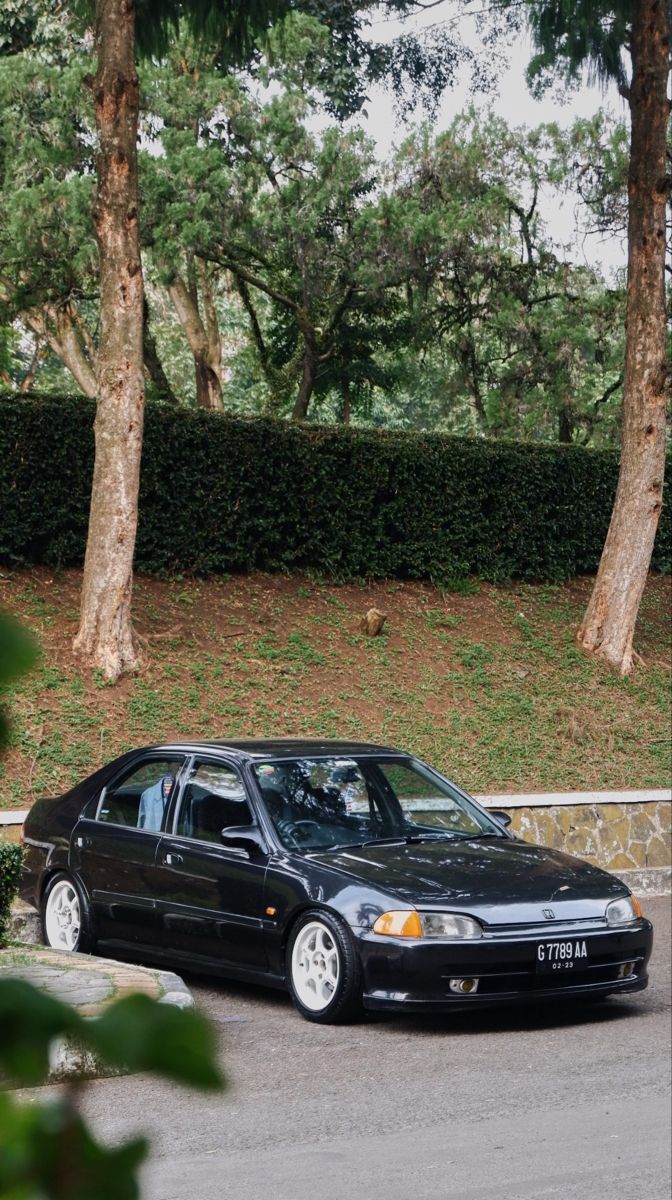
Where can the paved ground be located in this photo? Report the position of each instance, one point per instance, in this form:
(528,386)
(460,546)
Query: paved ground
(562,1103)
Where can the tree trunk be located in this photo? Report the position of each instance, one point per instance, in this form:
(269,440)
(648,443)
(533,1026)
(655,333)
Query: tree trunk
(153,364)
(565,423)
(208,385)
(609,622)
(306,387)
(29,377)
(347,401)
(105,637)
(204,343)
(214,340)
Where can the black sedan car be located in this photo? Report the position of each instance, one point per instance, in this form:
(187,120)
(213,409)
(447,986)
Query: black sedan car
(354,875)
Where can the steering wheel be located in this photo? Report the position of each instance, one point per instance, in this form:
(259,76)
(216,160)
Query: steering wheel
(297,830)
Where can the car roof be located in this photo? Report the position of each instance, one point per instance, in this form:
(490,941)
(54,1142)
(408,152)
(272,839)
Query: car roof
(252,749)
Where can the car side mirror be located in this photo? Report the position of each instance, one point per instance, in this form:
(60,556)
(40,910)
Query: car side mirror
(502,818)
(244,837)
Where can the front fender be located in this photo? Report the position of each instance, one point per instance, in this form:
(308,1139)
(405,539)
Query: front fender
(290,890)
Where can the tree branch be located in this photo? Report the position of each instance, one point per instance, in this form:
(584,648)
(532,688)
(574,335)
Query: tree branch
(55,324)
(257,334)
(254,280)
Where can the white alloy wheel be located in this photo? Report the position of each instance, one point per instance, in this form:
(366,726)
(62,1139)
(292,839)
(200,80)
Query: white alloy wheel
(316,966)
(63,916)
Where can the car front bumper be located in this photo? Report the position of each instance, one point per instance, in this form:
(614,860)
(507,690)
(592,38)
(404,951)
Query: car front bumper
(415,975)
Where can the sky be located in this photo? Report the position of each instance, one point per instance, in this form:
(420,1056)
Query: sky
(512,101)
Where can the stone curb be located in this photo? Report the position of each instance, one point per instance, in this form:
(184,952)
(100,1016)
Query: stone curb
(567,799)
(99,978)
(70,1060)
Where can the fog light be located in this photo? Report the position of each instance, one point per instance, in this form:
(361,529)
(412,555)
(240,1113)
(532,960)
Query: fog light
(463,986)
(626,970)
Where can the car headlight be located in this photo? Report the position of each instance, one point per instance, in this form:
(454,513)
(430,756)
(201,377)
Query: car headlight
(623,911)
(450,925)
(405,924)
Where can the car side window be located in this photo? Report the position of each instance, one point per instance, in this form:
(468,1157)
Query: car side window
(140,797)
(213,799)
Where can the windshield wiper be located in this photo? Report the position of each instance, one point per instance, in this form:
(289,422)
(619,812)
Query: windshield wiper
(409,839)
(399,839)
(477,837)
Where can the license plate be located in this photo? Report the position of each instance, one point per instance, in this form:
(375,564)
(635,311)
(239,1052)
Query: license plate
(555,957)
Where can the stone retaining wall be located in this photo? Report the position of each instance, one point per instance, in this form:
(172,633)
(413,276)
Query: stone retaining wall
(620,837)
(9,833)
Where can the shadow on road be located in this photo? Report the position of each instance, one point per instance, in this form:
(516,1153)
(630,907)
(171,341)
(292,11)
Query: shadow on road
(248,1002)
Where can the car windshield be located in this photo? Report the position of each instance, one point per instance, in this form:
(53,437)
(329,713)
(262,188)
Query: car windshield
(320,803)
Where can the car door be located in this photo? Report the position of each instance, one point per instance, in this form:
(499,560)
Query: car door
(114,847)
(210,902)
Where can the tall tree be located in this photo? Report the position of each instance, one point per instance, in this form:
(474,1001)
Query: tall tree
(105,637)
(596,34)
(122,28)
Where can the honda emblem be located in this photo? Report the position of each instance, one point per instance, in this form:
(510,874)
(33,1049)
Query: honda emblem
(549,914)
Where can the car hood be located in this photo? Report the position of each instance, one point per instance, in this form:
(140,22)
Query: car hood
(490,874)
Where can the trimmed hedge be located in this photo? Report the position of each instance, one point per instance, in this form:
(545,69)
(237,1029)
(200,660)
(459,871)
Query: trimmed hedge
(225,494)
(10,875)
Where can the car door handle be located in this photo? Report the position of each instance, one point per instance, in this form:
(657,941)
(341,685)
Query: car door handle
(171,860)
(83,842)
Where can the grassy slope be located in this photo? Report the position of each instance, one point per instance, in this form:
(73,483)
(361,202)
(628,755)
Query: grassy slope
(488,685)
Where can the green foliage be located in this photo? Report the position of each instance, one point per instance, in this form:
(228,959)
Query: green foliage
(135,1033)
(30,24)
(47,1149)
(10,874)
(220,494)
(423,294)
(248,187)
(47,246)
(573,34)
(17,654)
(516,341)
(34,1162)
(592,161)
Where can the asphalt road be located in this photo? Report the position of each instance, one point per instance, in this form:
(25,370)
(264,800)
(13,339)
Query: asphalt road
(517,1105)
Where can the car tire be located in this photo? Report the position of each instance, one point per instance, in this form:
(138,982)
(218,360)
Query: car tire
(323,969)
(66,916)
